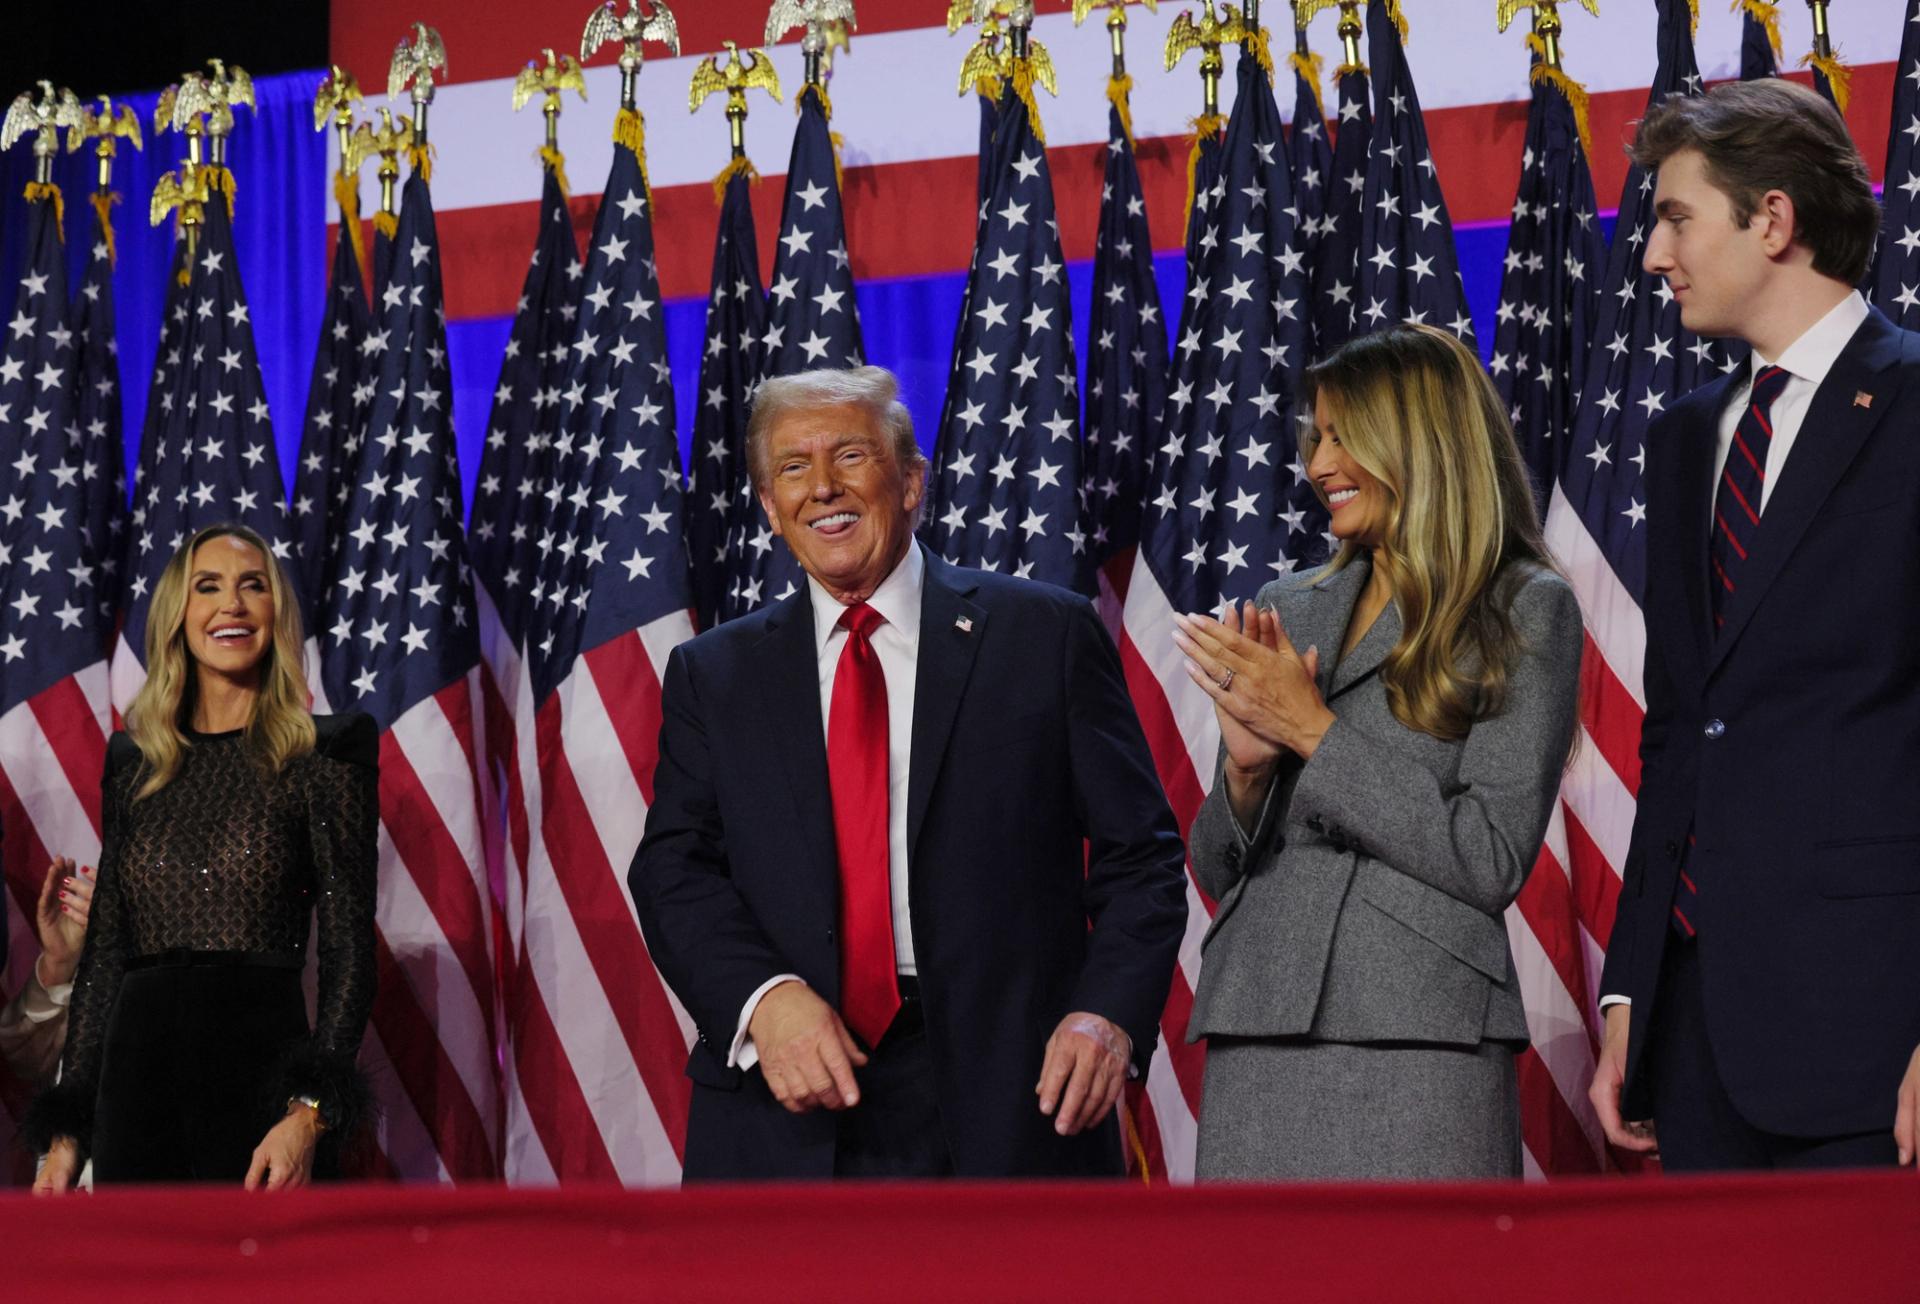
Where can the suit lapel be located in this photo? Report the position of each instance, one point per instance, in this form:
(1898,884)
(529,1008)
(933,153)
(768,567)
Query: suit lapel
(1370,652)
(1694,488)
(951,630)
(790,708)
(1323,624)
(1830,438)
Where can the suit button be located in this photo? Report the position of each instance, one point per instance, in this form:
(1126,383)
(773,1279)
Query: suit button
(1715,730)
(829,935)
(1233,856)
(1673,848)
(1313,822)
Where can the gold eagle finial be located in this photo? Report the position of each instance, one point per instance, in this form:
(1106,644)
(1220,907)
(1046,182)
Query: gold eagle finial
(1505,11)
(1207,35)
(560,72)
(415,61)
(55,109)
(734,79)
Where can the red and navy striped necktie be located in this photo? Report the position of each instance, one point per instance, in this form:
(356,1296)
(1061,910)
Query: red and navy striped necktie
(1736,502)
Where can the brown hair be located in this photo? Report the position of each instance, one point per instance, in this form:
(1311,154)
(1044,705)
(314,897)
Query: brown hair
(1413,406)
(1774,134)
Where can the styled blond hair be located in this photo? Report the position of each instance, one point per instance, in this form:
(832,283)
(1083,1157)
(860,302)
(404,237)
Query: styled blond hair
(1413,406)
(281,728)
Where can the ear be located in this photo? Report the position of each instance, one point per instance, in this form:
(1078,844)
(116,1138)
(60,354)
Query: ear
(766,505)
(916,484)
(1781,222)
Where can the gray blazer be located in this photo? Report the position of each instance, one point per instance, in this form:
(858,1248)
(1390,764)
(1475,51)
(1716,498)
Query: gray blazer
(1367,903)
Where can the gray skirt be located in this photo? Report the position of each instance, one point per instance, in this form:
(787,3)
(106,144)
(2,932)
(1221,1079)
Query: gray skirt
(1297,1110)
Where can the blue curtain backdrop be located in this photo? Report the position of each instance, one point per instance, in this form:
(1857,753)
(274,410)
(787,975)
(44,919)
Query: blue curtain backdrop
(279,164)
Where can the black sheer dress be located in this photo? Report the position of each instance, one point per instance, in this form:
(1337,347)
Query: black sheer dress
(188,1031)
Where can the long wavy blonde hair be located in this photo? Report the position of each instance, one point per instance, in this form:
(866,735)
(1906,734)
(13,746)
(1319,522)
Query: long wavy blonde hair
(281,727)
(1413,406)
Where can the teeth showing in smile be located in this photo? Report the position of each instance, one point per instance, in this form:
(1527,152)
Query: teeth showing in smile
(232,632)
(1340,496)
(838,518)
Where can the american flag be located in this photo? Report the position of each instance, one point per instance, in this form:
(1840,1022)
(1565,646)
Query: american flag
(1310,147)
(1759,39)
(54,715)
(1126,370)
(168,359)
(337,400)
(722,510)
(398,640)
(1895,280)
(1336,255)
(1550,289)
(1408,271)
(812,321)
(599,1044)
(1228,509)
(97,417)
(211,456)
(1596,525)
(1004,486)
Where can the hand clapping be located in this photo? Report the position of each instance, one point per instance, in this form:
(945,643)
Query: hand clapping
(1263,690)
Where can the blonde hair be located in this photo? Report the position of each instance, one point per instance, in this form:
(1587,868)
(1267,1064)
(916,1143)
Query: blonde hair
(281,727)
(1414,407)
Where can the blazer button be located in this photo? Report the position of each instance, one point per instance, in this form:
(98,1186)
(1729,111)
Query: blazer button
(1233,856)
(1673,848)
(1715,730)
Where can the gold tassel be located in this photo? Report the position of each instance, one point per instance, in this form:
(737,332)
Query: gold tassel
(1130,1137)
(1118,89)
(1207,126)
(1693,16)
(387,224)
(36,190)
(1838,75)
(630,129)
(554,159)
(1400,19)
(1261,49)
(103,202)
(1346,68)
(219,182)
(740,167)
(420,159)
(1767,15)
(1023,87)
(1307,65)
(346,193)
(826,105)
(839,143)
(1575,93)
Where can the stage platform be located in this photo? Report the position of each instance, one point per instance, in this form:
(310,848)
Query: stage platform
(1853,1238)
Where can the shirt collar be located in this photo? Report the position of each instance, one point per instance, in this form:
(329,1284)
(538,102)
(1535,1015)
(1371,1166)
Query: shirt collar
(1812,356)
(897,600)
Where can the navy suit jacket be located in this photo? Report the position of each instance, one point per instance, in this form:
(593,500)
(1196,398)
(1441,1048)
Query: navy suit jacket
(1034,812)
(1789,746)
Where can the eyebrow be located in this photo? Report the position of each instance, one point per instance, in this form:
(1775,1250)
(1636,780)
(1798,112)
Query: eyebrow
(214,575)
(1667,207)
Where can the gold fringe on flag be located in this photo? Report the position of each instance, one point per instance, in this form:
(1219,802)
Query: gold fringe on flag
(1118,90)
(554,159)
(420,159)
(1261,49)
(346,193)
(1767,15)
(387,224)
(219,182)
(826,111)
(48,190)
(1575,93)
(1136,1149)
(740,167)
(103,202)
(1838,75)
(1307,66)
(630,129)
(1207,126)
(1693,17)
(1346,68)
(820,92)
(1023,87)
(1400,19)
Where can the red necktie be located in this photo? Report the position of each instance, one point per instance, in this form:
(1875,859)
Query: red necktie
(857,773)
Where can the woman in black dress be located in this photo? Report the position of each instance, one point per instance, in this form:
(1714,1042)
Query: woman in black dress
(232,816)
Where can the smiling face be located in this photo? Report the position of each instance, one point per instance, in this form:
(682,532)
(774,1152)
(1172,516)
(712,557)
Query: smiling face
(1356,500)
(1716,268)
(230,609)
(835,491)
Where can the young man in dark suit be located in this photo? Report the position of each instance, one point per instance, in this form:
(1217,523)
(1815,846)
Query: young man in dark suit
(908,864)
(1761,982)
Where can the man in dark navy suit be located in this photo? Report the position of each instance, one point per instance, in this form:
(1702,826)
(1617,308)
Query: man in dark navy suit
(908,864)
(1762,982)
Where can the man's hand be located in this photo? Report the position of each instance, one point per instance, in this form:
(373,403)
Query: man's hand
(1085,1067)
(1906,1115)
(1608,1076)
(806,1053)
(60,1169)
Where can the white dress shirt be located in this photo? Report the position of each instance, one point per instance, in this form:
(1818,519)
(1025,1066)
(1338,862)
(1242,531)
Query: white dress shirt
(1806,361)
(897,645)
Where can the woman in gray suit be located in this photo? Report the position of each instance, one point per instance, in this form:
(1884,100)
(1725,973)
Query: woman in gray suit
(1383,790)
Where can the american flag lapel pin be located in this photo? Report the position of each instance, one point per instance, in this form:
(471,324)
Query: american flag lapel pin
(964,624)
(1862,399)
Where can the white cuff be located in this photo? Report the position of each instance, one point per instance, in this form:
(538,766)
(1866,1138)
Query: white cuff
(1605,1001)
(742,1055)
(38,1002)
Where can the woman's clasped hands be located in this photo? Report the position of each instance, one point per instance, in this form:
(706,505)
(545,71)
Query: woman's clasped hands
(1264,691)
